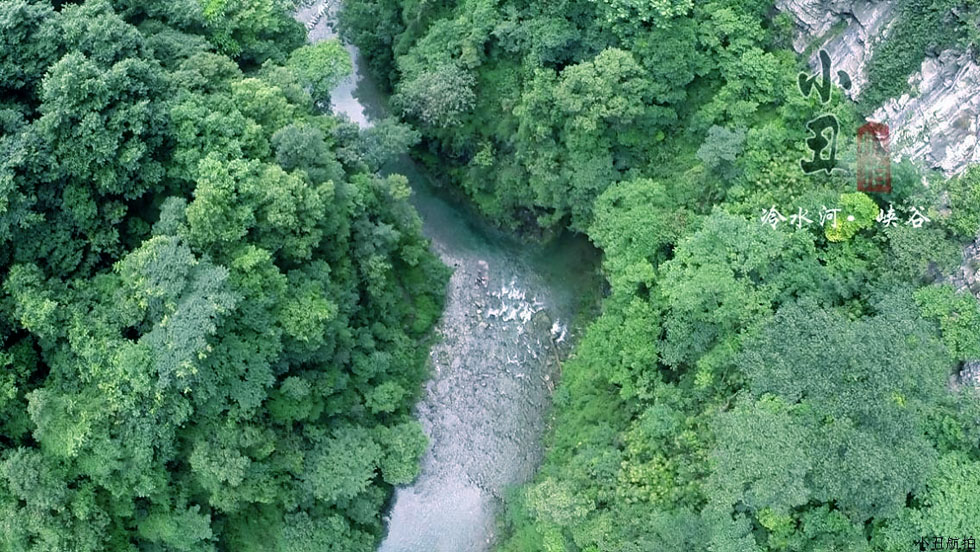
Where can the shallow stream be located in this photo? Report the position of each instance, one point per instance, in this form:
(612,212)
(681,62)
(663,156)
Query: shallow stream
(503,334)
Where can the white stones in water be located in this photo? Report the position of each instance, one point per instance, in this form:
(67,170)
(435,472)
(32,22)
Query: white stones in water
(559,332)
(520,308)
(483,408)
(317,16)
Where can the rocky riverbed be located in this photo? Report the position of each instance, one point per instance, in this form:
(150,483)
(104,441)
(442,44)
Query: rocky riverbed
(505,329)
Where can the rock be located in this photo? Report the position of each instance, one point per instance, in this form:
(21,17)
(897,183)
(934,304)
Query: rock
(967,277)
(483,271)
(938,127)
(847,30)
(970,374)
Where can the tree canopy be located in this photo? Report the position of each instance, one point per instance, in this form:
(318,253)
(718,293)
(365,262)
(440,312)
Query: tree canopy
(213,312)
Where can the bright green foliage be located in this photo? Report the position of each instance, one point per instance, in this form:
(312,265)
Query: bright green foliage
(950,497)
(28,43)
(957,314)
(278,209)
(251,30)
(372,25)
(720,149)
(762,458)
(305,147)
(402,444)
(657,11)
(94,30)
(213,315)
(185,531)
(321,66)
(103,124)
(964,197)
(720,282)
(857,212)
(438,96)
(538,108)
(595,116)
(855,389)
(385,141)
(641,240)
(342,466)
(213,312)
(921,254)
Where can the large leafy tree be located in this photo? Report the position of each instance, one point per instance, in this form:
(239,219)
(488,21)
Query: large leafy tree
(321,66)
(29,36)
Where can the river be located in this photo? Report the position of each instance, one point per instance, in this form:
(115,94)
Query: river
(508,321)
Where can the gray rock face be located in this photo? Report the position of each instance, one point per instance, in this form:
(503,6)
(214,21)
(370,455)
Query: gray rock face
(970,374)
(940,125)
(967,277)
(847,30)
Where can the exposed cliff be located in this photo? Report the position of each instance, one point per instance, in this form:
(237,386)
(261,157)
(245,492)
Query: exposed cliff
(937,125)
(847,30)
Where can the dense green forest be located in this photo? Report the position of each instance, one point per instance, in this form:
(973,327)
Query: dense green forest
(213,313)
(747,386)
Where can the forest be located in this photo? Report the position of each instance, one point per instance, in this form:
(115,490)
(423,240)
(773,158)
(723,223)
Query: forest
(747,386)
(215,312)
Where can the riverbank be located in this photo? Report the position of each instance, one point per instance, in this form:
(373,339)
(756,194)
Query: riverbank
(507,323)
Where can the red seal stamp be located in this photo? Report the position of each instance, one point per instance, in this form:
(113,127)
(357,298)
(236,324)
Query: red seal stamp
(874,173)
